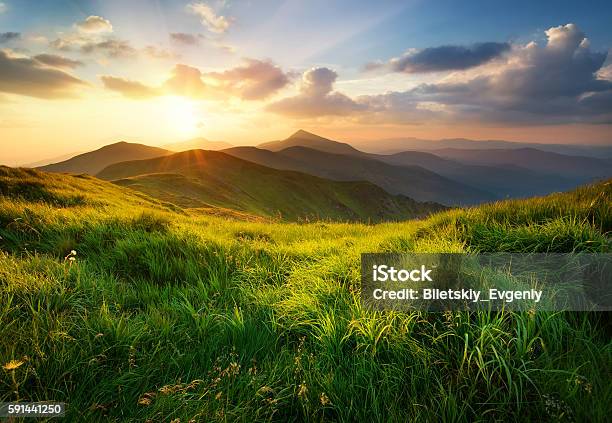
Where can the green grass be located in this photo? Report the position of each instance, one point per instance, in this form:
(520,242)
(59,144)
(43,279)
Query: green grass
(198,178)
(170,314)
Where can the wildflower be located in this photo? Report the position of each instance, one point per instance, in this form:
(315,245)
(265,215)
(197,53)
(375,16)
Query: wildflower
(324,399)
(146,398)
(71,257)
(303,391)
(265,390)
(13,365)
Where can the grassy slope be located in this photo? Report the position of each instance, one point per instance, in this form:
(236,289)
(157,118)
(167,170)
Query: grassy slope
(413,181)
(216,319)
(200,178)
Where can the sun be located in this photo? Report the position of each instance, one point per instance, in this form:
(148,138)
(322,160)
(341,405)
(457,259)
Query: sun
(181,115)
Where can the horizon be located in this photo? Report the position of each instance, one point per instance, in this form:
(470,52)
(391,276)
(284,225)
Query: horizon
(77,76)
(354,143)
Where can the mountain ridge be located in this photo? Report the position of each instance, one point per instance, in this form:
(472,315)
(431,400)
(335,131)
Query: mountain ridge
(199,178)
(94,161)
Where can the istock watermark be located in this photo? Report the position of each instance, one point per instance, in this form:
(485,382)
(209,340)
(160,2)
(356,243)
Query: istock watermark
(440,281)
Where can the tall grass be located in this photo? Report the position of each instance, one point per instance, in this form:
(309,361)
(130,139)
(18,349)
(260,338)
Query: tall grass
(165,315)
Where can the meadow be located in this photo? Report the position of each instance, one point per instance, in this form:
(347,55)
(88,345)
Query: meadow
(131,309)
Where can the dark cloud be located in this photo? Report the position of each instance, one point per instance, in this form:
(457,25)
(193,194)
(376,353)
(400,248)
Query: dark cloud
(6,37)
(561,81)
(553,83)
(26,76)
(316,97)
(185,39)
(448,58)
(128,88)
(58,61)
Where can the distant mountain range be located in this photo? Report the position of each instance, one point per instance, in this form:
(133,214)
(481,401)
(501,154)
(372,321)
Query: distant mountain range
(509,173)
(309,175)
(199,178)
(51,160)
(546,162)
(413,181)
(396,145)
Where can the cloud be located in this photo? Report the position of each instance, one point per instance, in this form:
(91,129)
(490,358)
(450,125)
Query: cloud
(255,80)
(56,61)
(186,81)
(316,97)
(113,47)
(128,88)
(554,83)
(156,52)
(185,39)
(444,58)
(209,18)
(6,37)
(3,7)
(561,81)
(94,24)
(26,76)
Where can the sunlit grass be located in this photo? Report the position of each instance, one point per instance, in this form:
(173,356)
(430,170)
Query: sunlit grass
(163,315)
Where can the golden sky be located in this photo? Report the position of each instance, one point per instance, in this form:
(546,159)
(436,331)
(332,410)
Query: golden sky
(74,77)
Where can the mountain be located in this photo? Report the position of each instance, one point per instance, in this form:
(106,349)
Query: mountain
(412,181)
(396,145)
(585,168)
(504,180)
(511,175)
(306,139)
(204,179)
(52,160)
(197,144)
(94,161)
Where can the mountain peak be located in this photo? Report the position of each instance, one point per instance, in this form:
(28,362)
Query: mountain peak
(301,134)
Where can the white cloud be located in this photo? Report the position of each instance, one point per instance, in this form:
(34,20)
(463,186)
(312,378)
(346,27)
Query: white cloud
(94,24)
(2,7)
(316,97)
(209,18)
(561,81)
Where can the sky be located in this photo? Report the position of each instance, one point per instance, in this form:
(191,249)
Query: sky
(76,75)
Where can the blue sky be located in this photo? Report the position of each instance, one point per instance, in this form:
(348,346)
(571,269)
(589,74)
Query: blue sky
(348,32)
(248,71)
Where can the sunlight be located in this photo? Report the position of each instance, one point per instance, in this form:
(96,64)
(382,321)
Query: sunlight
(181,116)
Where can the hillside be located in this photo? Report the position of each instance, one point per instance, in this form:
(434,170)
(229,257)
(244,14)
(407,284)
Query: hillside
(200,317)
(412,181)
(94,161)
(201,178)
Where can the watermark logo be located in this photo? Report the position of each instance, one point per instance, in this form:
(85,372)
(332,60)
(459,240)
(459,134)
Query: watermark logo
(438,282)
